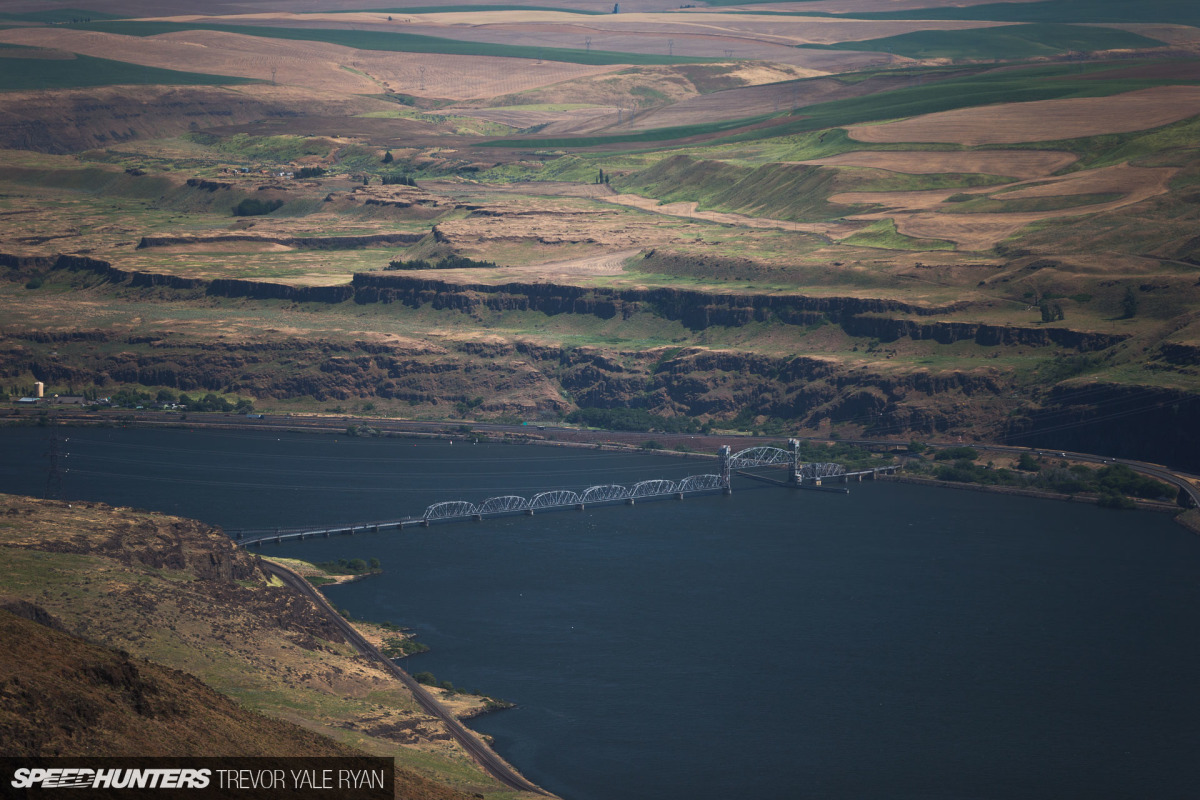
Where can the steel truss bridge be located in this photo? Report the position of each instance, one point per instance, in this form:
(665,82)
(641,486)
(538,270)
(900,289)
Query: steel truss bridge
(799,473)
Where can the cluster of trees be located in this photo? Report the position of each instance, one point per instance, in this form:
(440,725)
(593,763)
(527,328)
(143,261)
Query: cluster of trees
(634,419)
(254,207)
(351,566)
(427,679)
(1115,483)
(602,178)
(397,179)
(1051,311)
(445,262)
(128,397)
(310,172)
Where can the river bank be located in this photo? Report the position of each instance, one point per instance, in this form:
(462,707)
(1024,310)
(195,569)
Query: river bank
(1142,505)
(684,446)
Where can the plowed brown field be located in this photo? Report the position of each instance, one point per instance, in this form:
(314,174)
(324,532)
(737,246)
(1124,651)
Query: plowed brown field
(315,65)
(1042,120)
(1014,163)
(921,215)
(845,6)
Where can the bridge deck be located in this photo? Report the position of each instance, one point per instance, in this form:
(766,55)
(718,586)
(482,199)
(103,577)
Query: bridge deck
(811,476)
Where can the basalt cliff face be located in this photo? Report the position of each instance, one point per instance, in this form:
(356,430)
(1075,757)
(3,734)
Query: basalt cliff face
(869,395)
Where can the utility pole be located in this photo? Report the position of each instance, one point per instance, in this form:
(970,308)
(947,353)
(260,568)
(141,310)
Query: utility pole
(588,42)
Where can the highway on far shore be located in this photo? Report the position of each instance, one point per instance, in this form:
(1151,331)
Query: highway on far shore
(701,444)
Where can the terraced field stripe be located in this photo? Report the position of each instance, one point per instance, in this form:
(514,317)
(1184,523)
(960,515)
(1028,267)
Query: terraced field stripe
(397,42)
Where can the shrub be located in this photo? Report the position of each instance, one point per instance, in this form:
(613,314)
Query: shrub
(253,207)
(956,454)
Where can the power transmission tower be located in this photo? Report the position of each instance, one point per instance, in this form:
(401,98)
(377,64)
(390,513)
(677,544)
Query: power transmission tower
(588,42)
(670,47)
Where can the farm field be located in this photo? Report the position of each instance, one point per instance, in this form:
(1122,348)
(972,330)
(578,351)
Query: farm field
(926,220)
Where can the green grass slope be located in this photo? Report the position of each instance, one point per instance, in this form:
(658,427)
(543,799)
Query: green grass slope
(24,74)
(1004,43)
(1180,12)
(783,191)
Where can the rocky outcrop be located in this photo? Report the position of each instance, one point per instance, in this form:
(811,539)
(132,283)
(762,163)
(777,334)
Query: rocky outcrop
(868,317)
(1140,422)
(261,290)
(301,242)
(696,309)
(888,330)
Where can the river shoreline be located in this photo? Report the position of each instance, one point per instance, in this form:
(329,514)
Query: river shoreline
(1142,505)
(580,438)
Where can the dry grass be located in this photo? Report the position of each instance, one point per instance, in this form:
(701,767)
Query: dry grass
(925,215)
(833,230)
(1042,120)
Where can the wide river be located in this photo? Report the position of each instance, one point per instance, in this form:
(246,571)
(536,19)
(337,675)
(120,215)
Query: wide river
(896,642)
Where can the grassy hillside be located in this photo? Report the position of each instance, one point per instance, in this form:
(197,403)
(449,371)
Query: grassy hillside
(24,74)
(1007,43)
(180,595)
(1005,85)
(780,191)
(66,695)
(1179,12)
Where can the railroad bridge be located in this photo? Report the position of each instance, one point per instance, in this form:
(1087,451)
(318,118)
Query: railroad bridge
(801,474)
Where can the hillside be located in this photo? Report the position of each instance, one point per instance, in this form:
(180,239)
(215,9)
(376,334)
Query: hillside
(927,222)
(66,696)
(152,635)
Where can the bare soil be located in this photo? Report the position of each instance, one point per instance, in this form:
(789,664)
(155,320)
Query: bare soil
(1042,120)
(313,65)
(1014,163)
(927,215)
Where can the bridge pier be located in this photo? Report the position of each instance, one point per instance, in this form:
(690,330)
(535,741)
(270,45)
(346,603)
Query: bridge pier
(629,501)
(579,507)
(679,495)
(477,517)
(424,523)
(529,512)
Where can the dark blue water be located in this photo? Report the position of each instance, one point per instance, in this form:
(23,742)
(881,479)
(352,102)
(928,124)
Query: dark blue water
(898,642)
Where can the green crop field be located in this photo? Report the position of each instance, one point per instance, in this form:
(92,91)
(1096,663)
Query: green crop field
(656,135)
(1008,85)
(1181,12)
(452,9)
(883,234)
(55,15)
(1007,42)
(23,74)
(397,42)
